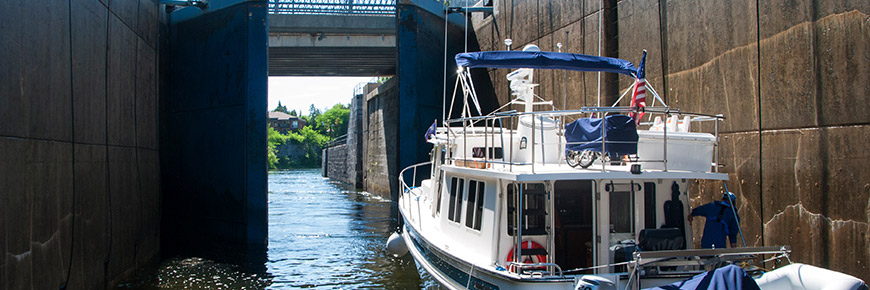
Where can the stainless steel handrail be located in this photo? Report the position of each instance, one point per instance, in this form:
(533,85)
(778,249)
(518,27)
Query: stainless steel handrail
(403,186)
(513,115)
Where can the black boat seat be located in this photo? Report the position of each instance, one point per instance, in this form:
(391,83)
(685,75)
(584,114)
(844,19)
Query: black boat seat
(666,239)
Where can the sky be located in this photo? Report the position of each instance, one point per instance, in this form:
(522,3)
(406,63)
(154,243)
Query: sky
(298,93)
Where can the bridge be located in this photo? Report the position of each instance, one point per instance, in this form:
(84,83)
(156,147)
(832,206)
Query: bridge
(332,37)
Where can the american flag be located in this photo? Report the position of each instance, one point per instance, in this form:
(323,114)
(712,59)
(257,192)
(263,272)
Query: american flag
(638,98)
(431,131)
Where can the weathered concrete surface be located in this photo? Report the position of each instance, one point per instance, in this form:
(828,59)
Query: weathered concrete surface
(820,196)
(343,161)
(791,77)
(381,116)
(79,206)
(740,158)
(355,135)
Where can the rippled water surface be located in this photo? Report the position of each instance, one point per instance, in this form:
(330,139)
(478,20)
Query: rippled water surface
(321,235)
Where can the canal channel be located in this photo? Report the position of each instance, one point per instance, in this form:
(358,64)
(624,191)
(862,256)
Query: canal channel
(322,235)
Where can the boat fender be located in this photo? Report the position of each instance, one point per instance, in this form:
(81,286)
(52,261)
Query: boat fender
(527,245)
(396,245)
(589,282)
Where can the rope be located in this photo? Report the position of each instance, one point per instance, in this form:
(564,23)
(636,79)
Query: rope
(597,267)
(739,228)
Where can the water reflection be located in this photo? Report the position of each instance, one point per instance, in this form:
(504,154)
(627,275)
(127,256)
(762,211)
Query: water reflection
(321,235)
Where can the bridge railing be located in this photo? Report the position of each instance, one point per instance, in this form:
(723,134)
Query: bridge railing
(333,7)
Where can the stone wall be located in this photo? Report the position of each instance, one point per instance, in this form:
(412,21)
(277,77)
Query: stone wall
(354,140)
(791,77)
(79,173)
(380,142)
(290,150)
(338,165)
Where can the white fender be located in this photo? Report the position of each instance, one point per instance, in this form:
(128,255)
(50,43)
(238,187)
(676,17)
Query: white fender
(396,245)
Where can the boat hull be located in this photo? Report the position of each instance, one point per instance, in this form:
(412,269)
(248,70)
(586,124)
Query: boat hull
(453,273)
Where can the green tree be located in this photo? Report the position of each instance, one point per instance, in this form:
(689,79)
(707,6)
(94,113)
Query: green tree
(293,113)
(334,121)
(280,108)
(312,145)
(307,140)
(275,139)
(313,113)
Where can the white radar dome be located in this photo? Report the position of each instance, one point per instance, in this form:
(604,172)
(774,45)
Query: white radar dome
(531,47)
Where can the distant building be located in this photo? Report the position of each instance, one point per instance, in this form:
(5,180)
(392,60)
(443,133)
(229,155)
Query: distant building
(283,122)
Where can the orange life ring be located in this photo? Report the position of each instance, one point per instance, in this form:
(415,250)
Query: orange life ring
(532,259)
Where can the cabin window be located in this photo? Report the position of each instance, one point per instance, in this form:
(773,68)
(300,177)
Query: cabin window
(437,175)
(621,205)
(621,212)
(456,188)
(533,202)
(438,201)
(649,205)
(474,207)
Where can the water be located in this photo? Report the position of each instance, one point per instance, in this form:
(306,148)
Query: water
(322,235)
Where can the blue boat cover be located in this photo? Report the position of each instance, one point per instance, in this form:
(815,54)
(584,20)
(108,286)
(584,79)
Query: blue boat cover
(545,60)
(726,278)
(585,134)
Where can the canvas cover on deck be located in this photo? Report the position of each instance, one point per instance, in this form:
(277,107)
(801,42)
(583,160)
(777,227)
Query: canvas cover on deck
(545,60)
(729,277)
(585,134)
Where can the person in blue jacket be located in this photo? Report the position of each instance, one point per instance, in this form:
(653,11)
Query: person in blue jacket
(722,221)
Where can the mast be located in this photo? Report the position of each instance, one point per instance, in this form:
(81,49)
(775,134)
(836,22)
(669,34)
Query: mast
(522,83)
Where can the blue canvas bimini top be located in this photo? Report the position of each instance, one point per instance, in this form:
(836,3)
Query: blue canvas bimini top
(545,60)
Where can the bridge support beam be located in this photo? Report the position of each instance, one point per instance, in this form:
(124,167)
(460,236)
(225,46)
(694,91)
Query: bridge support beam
(332,45)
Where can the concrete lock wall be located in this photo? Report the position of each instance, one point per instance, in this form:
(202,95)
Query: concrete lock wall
(354,137)
(343,159)
(380,120)
(791,77)
(79,174)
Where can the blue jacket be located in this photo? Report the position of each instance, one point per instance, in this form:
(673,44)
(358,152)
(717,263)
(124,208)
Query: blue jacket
(721,222)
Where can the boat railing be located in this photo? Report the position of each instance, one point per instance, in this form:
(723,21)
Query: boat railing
(650,263)
(403,185)
(494,133)
(705,256)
